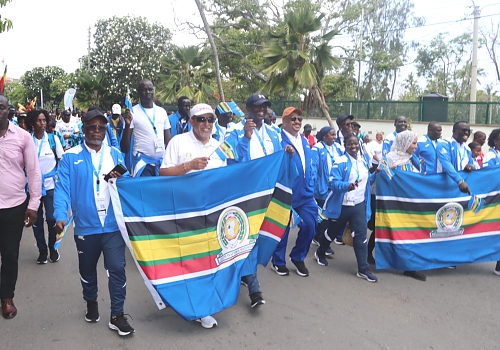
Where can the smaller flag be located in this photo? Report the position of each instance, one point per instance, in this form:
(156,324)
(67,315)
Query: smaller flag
(235,109)
(3,81)
(387,169)
(128,101)
(321,216)
(225,151)
(295,219)
(61,235)
(224,108)
(475,203)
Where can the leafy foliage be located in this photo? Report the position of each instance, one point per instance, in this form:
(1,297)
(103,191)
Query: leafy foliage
(5,23)
(188,72)
(127,49)
(41,78)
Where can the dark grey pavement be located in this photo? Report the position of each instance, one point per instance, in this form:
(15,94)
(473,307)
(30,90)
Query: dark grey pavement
(330,309)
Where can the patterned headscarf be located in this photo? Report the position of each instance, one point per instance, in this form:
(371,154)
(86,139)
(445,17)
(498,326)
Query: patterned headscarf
(397,155)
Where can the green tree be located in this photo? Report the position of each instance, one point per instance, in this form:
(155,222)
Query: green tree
(298,59)
(91,90)
(126,50)
(5,23)
(41,78)
(446,64)
(188,72)
(384,48)
(412,91)
(16,93)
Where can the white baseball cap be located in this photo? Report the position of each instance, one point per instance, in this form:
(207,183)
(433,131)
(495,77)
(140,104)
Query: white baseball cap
(116,109)
(200,109)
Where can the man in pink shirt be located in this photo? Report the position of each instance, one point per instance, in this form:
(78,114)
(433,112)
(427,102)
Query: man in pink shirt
(17,153)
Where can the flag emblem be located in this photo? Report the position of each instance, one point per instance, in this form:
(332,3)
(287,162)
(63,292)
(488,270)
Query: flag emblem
(449,219)
(233,230)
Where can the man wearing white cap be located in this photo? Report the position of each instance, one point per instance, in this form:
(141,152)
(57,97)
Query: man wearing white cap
(194,151)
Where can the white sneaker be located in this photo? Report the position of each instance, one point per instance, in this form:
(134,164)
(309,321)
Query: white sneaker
(207,322)
(496,272)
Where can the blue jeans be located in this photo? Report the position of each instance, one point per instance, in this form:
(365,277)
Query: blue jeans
(308,212)
(356,216)
(46,201)
(252,283)
(113,248)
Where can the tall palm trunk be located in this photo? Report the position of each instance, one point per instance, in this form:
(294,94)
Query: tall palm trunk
(322,104)
(214,49)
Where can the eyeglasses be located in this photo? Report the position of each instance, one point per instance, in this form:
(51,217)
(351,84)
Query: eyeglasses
(211,120)
(466,131)
(296,118)
(99,128)
(348,124)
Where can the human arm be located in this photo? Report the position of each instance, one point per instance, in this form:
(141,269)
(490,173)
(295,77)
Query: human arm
(32,168)
(336,181)
(127,131)
(62,192)
(199,163)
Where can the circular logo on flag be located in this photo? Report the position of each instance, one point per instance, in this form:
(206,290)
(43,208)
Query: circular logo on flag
(449,219)
(233,229)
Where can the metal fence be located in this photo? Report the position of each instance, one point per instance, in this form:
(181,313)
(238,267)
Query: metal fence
(486,112)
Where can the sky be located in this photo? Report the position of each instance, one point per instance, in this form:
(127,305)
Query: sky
(55,32)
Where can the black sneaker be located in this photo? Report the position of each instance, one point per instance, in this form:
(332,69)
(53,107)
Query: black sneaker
(92,314)
(281,270)
(120,324)
(54,256)
(256,299)
(329,251)
(338,241)
(301,268)
(320,258)
(496,271)
(42,257)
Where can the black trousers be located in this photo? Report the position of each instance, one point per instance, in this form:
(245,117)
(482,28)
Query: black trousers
(11,230)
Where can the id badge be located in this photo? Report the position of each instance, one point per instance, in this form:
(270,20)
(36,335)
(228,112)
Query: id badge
(158,145)
(101,206)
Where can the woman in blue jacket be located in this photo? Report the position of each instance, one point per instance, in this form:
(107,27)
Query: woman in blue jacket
(349,201)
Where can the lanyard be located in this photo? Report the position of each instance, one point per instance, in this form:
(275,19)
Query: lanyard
(182,127)
(462,157)
(96,172)
(260,138)
(41,144)
(154,117)
(356,169)
(332,158)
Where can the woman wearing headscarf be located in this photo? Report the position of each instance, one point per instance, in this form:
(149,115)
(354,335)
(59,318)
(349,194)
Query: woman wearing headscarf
(402,157)
(349,201)
(323,155)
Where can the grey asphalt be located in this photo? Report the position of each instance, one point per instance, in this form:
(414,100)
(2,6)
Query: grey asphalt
(330,309)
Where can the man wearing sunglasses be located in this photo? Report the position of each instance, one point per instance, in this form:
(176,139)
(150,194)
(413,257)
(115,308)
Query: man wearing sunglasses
(344,122)
(454,155)
(80,186)
(302,199)
(194,150)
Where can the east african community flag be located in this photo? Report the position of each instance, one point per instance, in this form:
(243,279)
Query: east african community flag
(425,222)
(194,236)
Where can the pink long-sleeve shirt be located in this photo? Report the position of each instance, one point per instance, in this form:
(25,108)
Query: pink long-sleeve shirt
(17,152)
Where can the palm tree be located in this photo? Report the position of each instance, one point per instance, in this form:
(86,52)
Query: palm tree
(186,73)
(298,59)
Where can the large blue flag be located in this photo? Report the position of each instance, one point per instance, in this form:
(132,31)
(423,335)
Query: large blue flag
(194,236)
(425,222)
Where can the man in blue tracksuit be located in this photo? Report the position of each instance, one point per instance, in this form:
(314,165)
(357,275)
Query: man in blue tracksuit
(400,124)
(426,149)
(302,199)
(179,121)
(454,155)
(80,186)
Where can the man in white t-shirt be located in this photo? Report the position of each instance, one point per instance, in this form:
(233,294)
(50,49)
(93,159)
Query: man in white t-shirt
(151,129)
(68,129)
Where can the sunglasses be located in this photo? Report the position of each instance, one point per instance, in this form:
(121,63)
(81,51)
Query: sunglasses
(99,128)
(211,120)
(296,118)
(466,131)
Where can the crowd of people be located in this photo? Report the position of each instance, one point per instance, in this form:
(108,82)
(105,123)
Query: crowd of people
(61,163)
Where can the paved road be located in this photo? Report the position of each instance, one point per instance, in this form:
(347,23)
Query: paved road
(330,309)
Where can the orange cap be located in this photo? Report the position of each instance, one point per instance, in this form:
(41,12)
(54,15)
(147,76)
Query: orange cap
(290,110)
